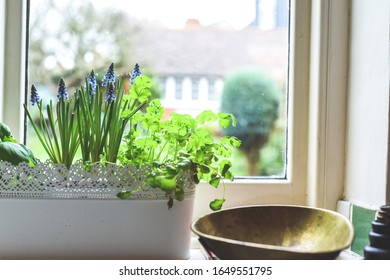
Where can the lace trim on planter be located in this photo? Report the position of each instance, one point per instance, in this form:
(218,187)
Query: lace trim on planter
(47,180)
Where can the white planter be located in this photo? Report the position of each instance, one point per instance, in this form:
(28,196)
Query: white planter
(94,229)
(80,217)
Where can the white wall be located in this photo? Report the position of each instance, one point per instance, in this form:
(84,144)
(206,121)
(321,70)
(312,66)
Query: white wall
(368,103)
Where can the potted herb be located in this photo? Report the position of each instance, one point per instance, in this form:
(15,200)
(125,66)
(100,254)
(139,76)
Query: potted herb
(12,151)
(128,151)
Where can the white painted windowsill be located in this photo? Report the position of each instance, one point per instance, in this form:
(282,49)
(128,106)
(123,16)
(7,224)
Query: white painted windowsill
(196,254)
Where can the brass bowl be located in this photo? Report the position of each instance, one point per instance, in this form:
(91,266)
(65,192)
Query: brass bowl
(274,232)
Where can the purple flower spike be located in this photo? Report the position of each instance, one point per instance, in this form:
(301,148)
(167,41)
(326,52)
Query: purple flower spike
(62,91)
(35,98)
(136,72)
(110,96)
(91,80)
(109,77)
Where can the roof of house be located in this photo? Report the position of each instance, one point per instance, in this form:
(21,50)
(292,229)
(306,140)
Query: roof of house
(205,51)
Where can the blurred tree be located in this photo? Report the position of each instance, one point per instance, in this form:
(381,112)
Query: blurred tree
(69,38)
(252,97)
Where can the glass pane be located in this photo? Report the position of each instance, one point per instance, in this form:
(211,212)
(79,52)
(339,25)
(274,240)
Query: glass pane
(229,56)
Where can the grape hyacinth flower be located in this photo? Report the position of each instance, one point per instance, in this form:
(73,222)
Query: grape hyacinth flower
(35,98)
(136,72)
(91,80)
(110,96)
(109,77)
(62,91)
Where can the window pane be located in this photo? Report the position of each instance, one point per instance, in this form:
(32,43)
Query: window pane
(229,56)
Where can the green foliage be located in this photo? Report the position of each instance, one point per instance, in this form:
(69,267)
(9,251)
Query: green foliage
(100,116)
(273,154)
(217,204)
(12,151)
(252,97)
(5,132)
(57,131)
(101,125)
(95,123)
(181,143)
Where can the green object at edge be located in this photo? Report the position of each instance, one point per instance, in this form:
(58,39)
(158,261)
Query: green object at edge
(12,151)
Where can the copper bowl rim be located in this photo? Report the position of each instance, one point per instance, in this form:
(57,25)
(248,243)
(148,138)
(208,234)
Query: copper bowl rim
(275,247)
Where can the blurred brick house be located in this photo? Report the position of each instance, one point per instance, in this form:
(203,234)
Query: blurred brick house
(192,62)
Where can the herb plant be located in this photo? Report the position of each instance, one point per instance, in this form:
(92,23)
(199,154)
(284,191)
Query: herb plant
(12,151)
(180,143)
(108,126)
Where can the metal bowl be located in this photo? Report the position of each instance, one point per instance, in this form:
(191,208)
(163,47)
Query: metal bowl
(274,232)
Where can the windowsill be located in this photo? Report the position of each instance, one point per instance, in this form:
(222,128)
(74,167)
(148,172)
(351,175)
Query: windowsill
(196,254)
(349,255)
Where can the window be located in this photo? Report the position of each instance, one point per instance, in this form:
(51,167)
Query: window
(213,40)
(178,88)
(292,189)
(211,89)
(195,89)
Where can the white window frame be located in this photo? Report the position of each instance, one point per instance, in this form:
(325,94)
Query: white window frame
(12,65)
(317,114)
(317,92)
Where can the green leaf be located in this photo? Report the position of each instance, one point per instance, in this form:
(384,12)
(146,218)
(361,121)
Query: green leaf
(162,182)
(179,191)
(16,153)
(229,175)
(225,120)
(184,163)
(232,141)
(224,167)
(87,165)
(204,168)
(170,173)
(4,131)
(216,204)
(141,89)
(206,116)
(215,182)
(222,150)
(124,194)
(10,139)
